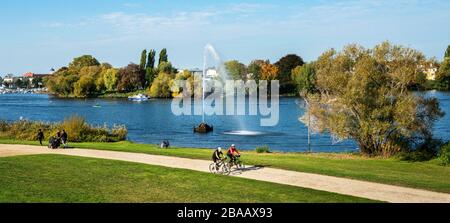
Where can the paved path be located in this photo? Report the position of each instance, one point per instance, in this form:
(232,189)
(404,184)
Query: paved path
(375,191)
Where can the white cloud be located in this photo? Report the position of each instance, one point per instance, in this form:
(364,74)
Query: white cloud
(53,25)
(131,5)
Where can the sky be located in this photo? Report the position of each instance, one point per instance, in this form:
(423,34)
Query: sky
(36,36)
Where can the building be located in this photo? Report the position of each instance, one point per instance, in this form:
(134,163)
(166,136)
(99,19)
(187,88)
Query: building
(31,76)
(9,78)
(211,73)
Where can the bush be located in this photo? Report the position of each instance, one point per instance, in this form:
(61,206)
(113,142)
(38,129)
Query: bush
(76,127)
(444,155)
(263,149)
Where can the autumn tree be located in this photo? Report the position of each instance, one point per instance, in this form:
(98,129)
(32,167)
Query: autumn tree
(363,95)
(85,86)
(83,61)
(110,78)
(129,78)
(269,72)
(254,69)
(161,86)
(190,81)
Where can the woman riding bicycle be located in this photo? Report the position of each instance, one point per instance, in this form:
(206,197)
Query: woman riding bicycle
(233,153)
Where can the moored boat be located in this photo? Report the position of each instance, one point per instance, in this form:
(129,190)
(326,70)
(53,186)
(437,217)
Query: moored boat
(139,97)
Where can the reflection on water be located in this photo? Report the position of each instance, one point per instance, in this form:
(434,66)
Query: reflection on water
(246,133)
(152,121)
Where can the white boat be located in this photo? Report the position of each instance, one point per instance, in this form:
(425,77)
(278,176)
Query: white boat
(139,97)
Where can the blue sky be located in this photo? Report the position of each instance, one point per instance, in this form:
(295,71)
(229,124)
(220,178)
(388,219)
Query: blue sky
(38,35)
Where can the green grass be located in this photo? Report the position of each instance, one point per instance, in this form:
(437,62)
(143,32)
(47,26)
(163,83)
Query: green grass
(56,178)
(425,175)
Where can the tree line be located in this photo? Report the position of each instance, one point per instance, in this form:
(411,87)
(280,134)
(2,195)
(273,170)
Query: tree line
(85,76)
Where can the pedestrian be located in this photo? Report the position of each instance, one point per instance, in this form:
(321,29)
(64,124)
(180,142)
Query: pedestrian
(40,136)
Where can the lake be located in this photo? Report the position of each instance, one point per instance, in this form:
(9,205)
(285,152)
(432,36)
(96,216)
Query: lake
(151,122)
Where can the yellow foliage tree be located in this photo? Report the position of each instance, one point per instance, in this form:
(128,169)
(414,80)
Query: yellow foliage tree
(269,71)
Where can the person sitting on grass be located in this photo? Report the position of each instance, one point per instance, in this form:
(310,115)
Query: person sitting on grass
(64,138)
(233,153)
(217,156)
(165,144)
(40,136)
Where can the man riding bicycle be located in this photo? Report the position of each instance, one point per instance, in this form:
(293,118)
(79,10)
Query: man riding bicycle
(233,153)
(217,156)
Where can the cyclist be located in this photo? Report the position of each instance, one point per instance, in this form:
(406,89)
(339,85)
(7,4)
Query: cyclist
(233,153)
(217,156)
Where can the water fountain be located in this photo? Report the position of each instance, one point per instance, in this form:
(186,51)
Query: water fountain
(204,127)
(216,63)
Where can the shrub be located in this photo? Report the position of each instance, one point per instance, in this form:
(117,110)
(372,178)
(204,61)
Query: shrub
(425,151)
(263,149)
(444,155)
(76,127)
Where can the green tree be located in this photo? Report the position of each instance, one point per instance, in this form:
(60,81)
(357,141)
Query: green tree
(143,63)
(163,57)
(166,67)
(305,78)
(21,83)
(85,87)
(443,74)
(286,64)
(83,61)
(236,70)
(110,78)
(61,83)
(150,74)
(37,82)
(151,59)
(161,86)
(254,68)
(363,95)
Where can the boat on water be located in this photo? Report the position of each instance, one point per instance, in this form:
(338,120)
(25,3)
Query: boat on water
(139,97)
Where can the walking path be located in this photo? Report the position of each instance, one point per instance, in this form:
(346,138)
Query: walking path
(375,191)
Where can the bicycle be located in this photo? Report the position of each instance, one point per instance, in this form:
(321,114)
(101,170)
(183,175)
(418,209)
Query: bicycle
(220,168)
(237,163)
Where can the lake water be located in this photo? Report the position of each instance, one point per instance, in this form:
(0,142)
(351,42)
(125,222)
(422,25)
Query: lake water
(151,122)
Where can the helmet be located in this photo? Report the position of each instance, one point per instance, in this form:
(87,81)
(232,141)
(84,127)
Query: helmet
(233,145)
(219,149)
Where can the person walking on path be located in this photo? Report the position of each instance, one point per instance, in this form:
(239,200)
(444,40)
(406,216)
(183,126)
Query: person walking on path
(64,138)
(40,136)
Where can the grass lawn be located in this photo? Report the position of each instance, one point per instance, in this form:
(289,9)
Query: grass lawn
(426,175)
(56,178)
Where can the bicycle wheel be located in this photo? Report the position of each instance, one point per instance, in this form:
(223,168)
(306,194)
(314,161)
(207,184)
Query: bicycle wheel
(225,169)
(240,165)
(212,168)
